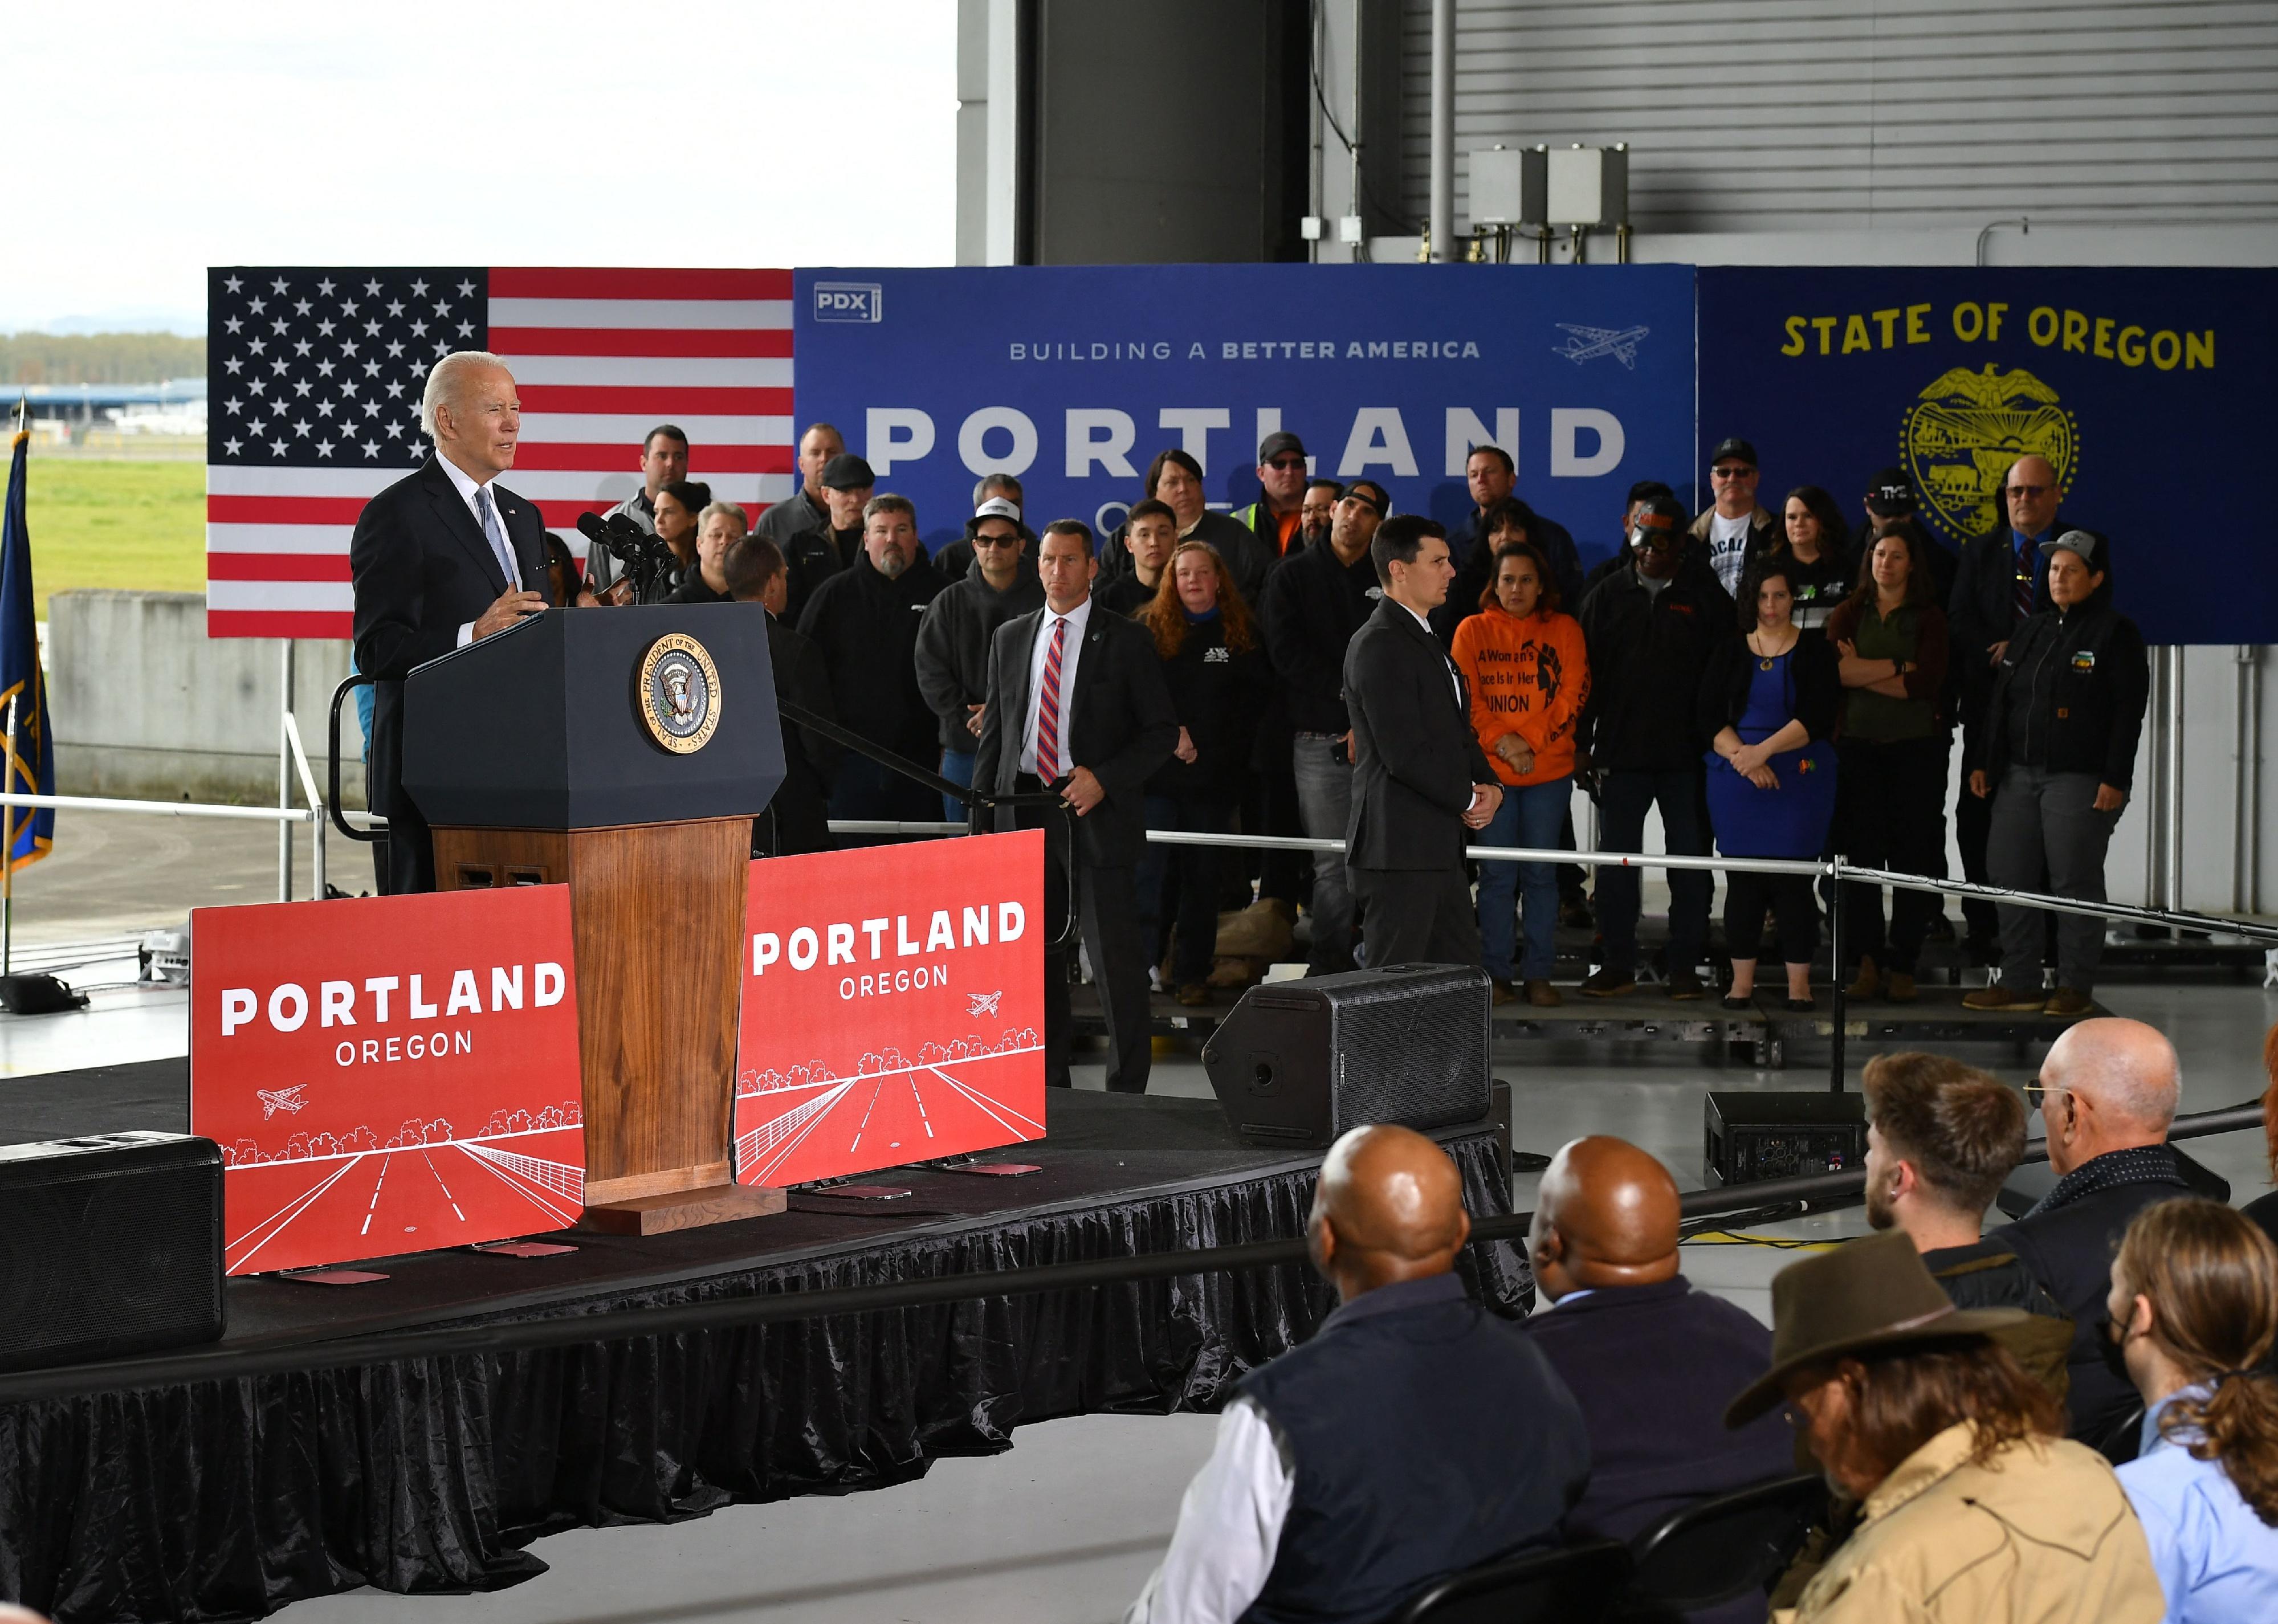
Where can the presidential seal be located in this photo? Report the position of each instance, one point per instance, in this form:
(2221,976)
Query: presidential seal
(1958,439)
(677,693)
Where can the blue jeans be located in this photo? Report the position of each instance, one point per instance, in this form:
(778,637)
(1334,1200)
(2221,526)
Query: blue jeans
(1325,802)
(1624,798)
(957,767)
(1529,816)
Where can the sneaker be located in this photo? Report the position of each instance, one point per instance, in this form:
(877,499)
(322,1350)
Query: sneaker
(2000,997)
(1869,983)
(1504,992)
(1899,988)
(1684,984)
(1194,995)
(1609,983)
(2066,1005)
(1542,995)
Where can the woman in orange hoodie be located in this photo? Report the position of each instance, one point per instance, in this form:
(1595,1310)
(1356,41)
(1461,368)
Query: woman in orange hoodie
(1528,676)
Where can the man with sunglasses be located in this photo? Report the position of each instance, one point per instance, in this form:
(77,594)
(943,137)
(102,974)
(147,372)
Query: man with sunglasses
(1733,529)
(954,638)
(2002,577)
(1650,634)
(2106,1094)
(1277,517)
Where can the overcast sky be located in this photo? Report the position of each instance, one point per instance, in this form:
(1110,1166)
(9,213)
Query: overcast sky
(152,139)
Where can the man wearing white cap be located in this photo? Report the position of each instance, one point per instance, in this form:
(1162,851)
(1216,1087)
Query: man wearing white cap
(952,651)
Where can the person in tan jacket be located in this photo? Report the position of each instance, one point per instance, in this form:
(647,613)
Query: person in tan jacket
(1974,1506)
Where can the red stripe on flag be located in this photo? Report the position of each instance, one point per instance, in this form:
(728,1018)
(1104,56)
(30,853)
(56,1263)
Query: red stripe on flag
(279,623)
(614,459)
(284,509)
(724,342)
(563,516)
(276,567)
(580,282)
(655,399)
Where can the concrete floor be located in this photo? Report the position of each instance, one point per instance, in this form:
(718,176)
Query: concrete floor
(1064,1528)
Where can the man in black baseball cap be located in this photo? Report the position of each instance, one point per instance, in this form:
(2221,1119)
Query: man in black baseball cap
(1733,529)
(1276,515)
(815,555)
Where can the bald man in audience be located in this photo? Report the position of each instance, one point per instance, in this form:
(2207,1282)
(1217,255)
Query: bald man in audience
(1416,1435)
(1652,1362)
(2107,1094)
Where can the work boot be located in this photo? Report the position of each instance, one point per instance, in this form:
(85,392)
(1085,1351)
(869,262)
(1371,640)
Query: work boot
(1542,995)
(1899,988)
(2067,1004)
(1609,983)
(1684,984)
(1869,983)
(2000,997)
(1194,995)
(1504,992)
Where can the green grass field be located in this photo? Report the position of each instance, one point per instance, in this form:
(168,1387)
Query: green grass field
(138,525)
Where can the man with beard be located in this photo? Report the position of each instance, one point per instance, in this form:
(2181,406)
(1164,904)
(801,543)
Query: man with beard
(865,619)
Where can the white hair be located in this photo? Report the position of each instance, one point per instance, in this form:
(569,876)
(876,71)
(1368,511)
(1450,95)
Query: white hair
(443,382)
(730,509)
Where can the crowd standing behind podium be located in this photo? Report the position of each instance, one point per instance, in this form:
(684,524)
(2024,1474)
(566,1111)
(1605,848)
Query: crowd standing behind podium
(1325,664)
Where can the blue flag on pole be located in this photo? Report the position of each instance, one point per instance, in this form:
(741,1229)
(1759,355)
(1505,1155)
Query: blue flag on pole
(32,764)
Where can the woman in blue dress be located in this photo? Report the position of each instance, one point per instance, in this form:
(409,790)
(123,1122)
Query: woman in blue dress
(1769,700)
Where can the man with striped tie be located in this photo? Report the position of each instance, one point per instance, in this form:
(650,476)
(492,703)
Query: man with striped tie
(439,559)
(1077,705)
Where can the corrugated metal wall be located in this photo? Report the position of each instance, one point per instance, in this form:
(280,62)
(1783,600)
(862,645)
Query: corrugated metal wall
(1782,115)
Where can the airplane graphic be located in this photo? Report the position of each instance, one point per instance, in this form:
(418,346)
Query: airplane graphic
(982,1003)
(1588,343)
(275,1100)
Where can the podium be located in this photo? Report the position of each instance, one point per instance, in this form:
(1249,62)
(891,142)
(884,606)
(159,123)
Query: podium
(625,753)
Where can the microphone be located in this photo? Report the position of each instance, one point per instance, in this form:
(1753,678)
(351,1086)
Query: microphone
(590,526)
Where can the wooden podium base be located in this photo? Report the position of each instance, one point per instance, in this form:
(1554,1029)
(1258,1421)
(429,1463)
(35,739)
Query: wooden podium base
(682,1209)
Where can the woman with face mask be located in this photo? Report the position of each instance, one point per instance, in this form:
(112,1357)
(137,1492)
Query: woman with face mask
(2193,1312)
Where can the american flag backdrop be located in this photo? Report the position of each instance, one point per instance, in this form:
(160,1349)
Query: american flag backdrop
(315,377)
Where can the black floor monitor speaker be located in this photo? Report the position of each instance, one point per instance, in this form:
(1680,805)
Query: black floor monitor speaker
(1753,1136)
(1298,1062)
(110,1245)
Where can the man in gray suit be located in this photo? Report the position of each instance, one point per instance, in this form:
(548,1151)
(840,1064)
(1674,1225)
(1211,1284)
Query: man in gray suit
(1077,707)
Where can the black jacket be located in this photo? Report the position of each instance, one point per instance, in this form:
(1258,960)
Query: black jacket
(1818,688)
(1119,723)
(1657,1434)
(1249,560)
(952,651)
(1126,595)
(1648,658)
(2073,687)
(1982,611)
(694,588)
(1988,1275)
(1475,569)
(867,628)
(1220,695)
(796,819)
(811,558)
(1314,604)
(797,512)
(1415,757)
(420,568)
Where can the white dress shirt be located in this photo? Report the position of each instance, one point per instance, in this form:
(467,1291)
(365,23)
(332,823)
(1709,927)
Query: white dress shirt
(1077,619)
(466,485)
(1229,1528)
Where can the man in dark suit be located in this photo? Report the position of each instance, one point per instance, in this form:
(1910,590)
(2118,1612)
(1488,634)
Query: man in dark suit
(798,818)
(1419,781)
(439,560)
(1651,1362)
(1077,705)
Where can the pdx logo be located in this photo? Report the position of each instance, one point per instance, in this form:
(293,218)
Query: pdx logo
(849,301)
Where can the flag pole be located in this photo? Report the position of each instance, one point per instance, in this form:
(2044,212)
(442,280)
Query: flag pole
(8,854)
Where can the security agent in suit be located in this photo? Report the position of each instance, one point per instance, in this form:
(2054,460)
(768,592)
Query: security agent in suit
(1419,781)
(1094,680)
(438,560)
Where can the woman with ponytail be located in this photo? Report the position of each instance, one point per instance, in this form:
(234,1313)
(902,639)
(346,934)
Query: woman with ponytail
(2193,1311)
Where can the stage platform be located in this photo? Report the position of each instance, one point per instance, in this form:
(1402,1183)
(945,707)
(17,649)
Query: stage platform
(230,1497)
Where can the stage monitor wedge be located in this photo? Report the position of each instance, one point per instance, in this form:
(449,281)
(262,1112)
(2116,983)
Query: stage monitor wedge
(1298,1062)
(110,1245)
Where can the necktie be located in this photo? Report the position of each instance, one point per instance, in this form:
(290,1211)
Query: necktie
(496,537)
(1048,707)
(2023,593)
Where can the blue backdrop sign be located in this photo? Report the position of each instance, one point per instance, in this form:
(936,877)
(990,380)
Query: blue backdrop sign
(1073,378)
(2144,387)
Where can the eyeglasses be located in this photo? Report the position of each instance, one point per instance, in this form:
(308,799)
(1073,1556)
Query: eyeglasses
(2036,1096)
(1733,472)
(1288,465)
(985,540)
(2029,491)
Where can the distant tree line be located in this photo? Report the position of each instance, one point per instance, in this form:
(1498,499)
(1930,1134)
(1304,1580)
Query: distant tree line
(99,357)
